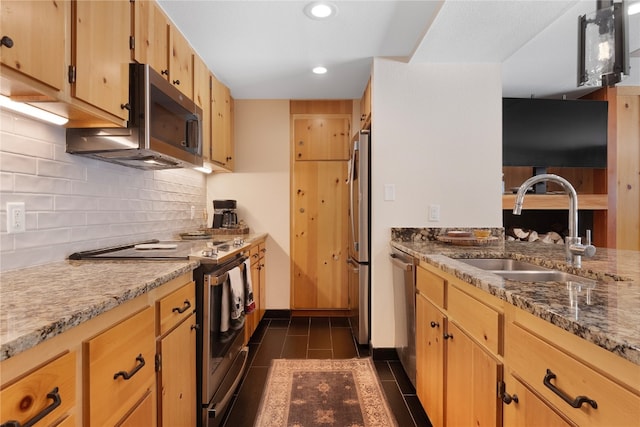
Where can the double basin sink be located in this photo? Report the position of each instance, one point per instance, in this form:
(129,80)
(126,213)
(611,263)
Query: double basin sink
(512,269)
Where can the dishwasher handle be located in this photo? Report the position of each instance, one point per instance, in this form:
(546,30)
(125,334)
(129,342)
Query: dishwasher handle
(399,262)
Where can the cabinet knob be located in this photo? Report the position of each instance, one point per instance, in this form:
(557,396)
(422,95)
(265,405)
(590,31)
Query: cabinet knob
(126,106)
(434,324)
(507,398)
(447,336)
(176,82)
(6,41)
(164,72)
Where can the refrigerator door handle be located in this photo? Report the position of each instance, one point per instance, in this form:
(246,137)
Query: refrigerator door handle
(352,171)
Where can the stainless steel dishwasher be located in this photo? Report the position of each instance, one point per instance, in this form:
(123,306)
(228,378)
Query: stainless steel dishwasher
(404,295)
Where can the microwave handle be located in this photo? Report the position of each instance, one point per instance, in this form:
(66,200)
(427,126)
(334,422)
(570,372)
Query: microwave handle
(193,133)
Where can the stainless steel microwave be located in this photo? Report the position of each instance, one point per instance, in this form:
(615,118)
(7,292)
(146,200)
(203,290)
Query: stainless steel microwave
(164,130)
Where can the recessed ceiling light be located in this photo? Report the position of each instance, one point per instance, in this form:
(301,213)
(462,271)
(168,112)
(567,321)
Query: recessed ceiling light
(320,10)
(634,8)
(319,70)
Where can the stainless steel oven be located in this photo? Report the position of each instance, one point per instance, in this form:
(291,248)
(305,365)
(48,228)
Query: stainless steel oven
(220,343)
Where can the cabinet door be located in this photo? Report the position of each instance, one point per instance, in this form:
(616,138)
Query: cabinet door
(101,54)
(221,123)
(38,54)
(263,281)
(472,383)
(321,138)
(151,29)
(177,375)
(319,249)
(202,97)
(430,324)
(180,62)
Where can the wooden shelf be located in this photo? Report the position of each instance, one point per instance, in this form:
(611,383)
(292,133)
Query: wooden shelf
(557,201)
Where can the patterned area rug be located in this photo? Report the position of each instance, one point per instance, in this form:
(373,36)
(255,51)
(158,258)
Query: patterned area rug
(332,392)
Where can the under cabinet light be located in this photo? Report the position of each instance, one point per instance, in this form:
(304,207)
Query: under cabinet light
(320,10)
(28,110)
(204,169)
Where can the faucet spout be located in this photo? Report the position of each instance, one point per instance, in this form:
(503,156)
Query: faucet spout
(573,247)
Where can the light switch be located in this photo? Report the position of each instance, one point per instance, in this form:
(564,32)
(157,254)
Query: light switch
(434,212)
(389,192)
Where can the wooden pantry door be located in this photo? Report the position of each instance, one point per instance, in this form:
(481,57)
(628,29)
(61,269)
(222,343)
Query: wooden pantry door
(319,213)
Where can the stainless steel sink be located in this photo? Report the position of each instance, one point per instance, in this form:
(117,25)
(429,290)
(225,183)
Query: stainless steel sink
(541,276)
(523,271)
(502,264)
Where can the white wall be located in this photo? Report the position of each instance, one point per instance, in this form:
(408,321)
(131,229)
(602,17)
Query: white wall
(436,135)
(73,203)
(260,184)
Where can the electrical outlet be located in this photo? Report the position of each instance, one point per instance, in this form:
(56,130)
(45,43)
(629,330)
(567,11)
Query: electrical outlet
(15,217)
(193,212)
(434,213)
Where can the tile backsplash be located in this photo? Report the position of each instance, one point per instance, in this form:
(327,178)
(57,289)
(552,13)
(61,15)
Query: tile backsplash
(74,203)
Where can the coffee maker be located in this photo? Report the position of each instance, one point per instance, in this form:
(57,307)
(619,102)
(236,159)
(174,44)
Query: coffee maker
(224,214)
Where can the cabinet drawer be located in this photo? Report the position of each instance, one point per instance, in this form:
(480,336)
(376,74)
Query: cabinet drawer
(52,385)
(531,358)
(478,320)
(119,368)
(175,307)
(431,285)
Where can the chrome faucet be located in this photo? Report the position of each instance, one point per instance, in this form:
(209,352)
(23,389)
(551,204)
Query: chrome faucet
(574,249)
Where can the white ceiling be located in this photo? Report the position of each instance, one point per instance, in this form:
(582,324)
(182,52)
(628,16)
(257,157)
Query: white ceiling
(265,49)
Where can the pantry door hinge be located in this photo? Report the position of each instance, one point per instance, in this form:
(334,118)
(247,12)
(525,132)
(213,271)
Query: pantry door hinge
(72,73)
(158,362)
(132,42)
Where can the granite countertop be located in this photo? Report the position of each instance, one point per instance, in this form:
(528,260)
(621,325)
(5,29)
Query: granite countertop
(38,303)
(604,310)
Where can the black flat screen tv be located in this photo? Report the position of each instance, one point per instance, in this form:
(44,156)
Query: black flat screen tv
(554,133)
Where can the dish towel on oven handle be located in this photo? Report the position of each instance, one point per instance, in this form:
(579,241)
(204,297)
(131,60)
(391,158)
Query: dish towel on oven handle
(249,303)
(237,292)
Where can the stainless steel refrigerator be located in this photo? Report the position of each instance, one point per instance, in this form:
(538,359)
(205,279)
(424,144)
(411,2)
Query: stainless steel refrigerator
(359,233)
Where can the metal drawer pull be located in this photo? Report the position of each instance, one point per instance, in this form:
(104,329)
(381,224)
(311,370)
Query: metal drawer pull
(182,309)
(128,375)
(575,403)
(57,401)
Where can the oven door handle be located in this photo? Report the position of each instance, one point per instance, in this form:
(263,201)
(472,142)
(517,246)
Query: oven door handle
(217,407)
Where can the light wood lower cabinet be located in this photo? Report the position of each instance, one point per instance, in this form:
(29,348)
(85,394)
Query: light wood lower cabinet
(484,362)
(119,369)
(104,369)
(572,379)
(176,358)
(430,326)
(458,343)
(258,281)
(177,375)
(47,394)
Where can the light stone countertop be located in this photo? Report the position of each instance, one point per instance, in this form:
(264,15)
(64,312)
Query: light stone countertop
(38,303)
(611,317)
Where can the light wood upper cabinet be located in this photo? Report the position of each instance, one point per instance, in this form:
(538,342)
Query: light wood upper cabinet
(202,97)
(37,31)
(180,62)
(322,138)
(222,144)
(101,54)
(151,31)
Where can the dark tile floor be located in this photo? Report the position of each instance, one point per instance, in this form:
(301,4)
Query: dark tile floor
(279,336)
